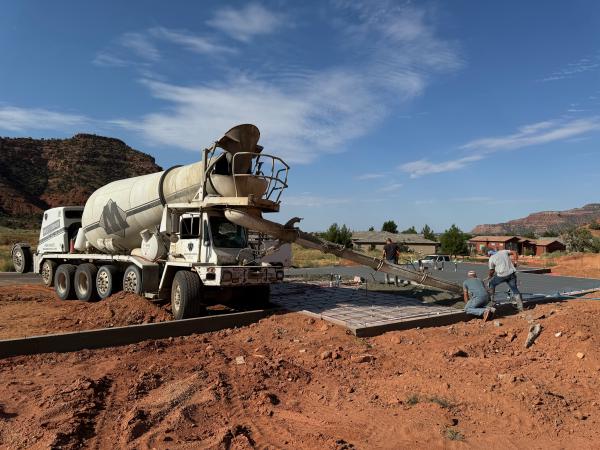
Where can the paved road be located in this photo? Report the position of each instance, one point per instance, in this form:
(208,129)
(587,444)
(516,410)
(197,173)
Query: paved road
(12,278)
(529,283)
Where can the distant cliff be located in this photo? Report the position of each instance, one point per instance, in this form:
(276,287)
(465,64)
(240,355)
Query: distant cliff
(37,174)
(540,222)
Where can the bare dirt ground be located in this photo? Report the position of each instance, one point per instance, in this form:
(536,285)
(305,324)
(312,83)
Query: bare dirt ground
(584,265)
(293,382)
(29,310)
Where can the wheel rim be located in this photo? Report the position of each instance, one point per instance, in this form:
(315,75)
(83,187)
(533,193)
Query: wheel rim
(46,272)
(83,284)
(18,259)
(61,284)
(130,283)
(177,298)
(102,282)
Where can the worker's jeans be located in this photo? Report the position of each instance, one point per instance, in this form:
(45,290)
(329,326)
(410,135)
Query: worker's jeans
(387,275)
(511,280)
(476,306)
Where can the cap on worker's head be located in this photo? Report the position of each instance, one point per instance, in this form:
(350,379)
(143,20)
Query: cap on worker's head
(472,274)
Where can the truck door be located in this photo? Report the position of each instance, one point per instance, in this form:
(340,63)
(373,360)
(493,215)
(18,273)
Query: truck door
(189,238)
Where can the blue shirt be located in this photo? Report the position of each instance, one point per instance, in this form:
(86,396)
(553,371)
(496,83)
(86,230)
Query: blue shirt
(476,289)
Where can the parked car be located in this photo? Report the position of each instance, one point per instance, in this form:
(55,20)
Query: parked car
(434,261)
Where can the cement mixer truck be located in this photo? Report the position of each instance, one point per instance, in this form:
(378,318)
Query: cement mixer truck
(183,234)
(165,235)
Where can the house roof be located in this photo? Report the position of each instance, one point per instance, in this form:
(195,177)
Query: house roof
(547,241)
(379,237)
(492,238)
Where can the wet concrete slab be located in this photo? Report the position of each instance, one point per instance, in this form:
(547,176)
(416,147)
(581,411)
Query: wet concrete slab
(529,283)
(364,313)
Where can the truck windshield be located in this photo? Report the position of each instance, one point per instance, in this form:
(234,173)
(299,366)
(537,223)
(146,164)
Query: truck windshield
(226,234)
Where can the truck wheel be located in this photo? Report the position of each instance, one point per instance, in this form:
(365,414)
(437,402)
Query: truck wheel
(64,281)
(108,281)
(22,259)
(186,295)
(132,280)
(85,282)
(47,272)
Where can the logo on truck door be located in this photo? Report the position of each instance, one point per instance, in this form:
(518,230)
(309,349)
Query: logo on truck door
(113,219)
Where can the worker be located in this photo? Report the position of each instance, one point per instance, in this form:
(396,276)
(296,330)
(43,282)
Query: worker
(391,253)
(455,261)
(476,297)
(502,270)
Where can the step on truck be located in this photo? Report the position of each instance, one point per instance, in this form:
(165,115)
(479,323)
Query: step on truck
(166,236)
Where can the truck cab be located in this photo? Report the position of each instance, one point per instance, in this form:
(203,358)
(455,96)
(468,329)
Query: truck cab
(59,229)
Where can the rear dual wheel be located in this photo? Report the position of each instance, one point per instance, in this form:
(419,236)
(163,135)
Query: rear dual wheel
(108,281)
(64,281)
(85,282)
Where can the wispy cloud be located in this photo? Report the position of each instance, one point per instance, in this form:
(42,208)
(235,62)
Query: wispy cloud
(425,167)
(536,134)
(106,59)
(369,176)
(312,112)
(190,41)
(141,45)
(390,187)
(572,69)
(24,120)
(247,22)
(529,135)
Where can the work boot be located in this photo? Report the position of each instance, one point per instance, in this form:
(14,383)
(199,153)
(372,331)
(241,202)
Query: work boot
(519,302)
(489,314)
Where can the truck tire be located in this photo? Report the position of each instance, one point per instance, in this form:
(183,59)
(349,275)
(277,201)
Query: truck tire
(108,281)
(47,272)
(22,258)
(132,280)
(64,281)
(85,282)
(186,295)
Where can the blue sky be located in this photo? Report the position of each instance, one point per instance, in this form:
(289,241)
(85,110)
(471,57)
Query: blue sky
(432,112)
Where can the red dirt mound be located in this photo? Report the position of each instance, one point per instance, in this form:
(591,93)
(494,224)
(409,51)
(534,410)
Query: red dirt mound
(294,382)
(29,310)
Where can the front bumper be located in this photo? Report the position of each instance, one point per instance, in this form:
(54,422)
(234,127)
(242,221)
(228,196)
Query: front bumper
(239,275)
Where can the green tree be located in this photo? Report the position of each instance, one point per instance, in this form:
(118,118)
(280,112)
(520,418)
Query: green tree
(390,226)
(339,235)
(428,233)
(529,234)
(453,241)
(411,230)
(579,240)
(371,228)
